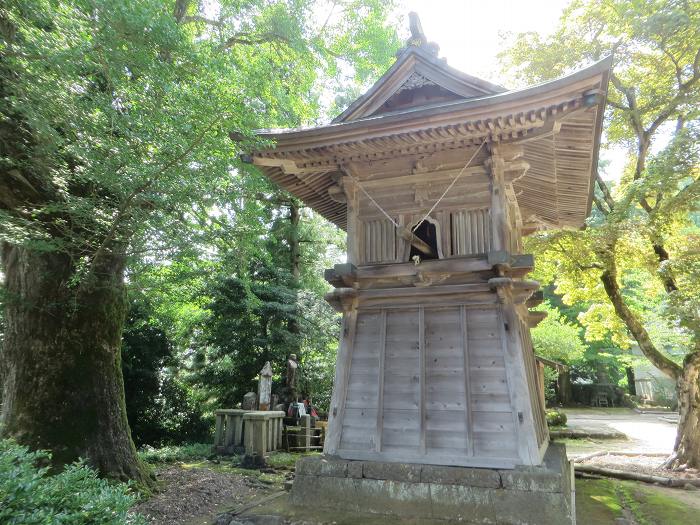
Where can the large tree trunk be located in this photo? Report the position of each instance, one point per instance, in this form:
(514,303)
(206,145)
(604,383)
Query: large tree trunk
(687,377)
(687,449)
(62,383)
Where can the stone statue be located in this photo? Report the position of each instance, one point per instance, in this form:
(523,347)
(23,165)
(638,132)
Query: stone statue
(265,387)
(291,377)
(250,400)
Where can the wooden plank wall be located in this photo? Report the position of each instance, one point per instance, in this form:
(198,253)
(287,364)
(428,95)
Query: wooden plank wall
(379,241)
(470,232)
(538,408)
(428,383)
(359,428)
(402,401)
(492,412)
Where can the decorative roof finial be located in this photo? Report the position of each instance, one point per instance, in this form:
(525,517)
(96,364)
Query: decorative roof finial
(418,38)
(417,35)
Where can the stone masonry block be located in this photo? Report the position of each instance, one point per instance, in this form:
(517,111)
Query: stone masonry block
(355,469)
(391,471)
(532,480)
(473,477)
(320,466)
(468,504)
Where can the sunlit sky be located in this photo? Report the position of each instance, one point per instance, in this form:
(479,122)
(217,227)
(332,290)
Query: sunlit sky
(471,33)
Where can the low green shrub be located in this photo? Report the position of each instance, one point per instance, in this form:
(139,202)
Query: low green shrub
(170,454)
(555,418)
(30,495)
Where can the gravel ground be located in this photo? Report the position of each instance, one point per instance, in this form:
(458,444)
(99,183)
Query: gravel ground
(642,464)
(197,495)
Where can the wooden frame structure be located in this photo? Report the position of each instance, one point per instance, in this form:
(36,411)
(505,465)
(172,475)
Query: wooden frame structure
(436,364)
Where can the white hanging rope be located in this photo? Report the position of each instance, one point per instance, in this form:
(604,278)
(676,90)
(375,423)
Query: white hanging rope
(448,188)
(409,235)
(373,201)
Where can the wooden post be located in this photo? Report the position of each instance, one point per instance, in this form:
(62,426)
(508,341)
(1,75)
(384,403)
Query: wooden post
(380,391)
(499,220)
(340,383)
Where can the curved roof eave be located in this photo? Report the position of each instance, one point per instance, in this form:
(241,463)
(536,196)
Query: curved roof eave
(601,67)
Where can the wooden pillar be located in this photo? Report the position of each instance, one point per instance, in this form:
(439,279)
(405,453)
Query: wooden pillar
(340,383)
(351,194)
(499,203)
(528,448)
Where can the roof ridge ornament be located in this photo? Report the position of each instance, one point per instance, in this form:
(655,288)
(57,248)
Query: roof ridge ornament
(418,38)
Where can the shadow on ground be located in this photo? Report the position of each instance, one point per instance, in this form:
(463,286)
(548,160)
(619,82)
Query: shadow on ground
(598,502)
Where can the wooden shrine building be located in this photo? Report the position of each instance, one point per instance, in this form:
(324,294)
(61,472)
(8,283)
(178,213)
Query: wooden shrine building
(436,176)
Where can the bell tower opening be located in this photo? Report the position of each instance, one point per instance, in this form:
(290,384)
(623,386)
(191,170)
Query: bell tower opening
(426,232)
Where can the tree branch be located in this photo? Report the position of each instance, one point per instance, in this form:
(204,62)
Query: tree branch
(605,190)
(612,289)
(196,18)
(600,205)
(250,39)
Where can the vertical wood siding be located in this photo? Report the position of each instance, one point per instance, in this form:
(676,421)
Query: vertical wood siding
(470,232)
(429,382)
(379,241)
(360,414)
(538,409)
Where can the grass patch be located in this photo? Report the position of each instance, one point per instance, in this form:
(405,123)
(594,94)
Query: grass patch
(650,506)
(281,459)
(600,502)
(597,501)
(175,453)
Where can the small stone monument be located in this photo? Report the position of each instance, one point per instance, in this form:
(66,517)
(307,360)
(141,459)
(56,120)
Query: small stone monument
(265,387)
(250,400)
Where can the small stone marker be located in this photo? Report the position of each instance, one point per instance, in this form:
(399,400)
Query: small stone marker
(265,387)
(249,401)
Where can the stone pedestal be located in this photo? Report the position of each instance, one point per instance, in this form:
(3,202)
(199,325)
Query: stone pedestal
(259,432)
(536,495)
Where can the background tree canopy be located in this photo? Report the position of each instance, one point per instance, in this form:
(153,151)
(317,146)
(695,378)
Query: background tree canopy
(118,174)
(635,266)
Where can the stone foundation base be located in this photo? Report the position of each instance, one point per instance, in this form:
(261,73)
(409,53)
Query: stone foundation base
(542,495)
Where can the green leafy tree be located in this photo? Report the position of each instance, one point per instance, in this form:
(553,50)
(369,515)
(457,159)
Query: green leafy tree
(642,231)
(160,407)
(115,139)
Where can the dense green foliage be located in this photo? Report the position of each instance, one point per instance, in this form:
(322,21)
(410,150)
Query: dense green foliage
(122,125)
(643,231)
(170,454)
(160,407)
(556,418)
(30,495)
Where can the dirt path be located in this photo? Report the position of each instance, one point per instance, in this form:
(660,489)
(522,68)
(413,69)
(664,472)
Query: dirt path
(646,433)
(196,494)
